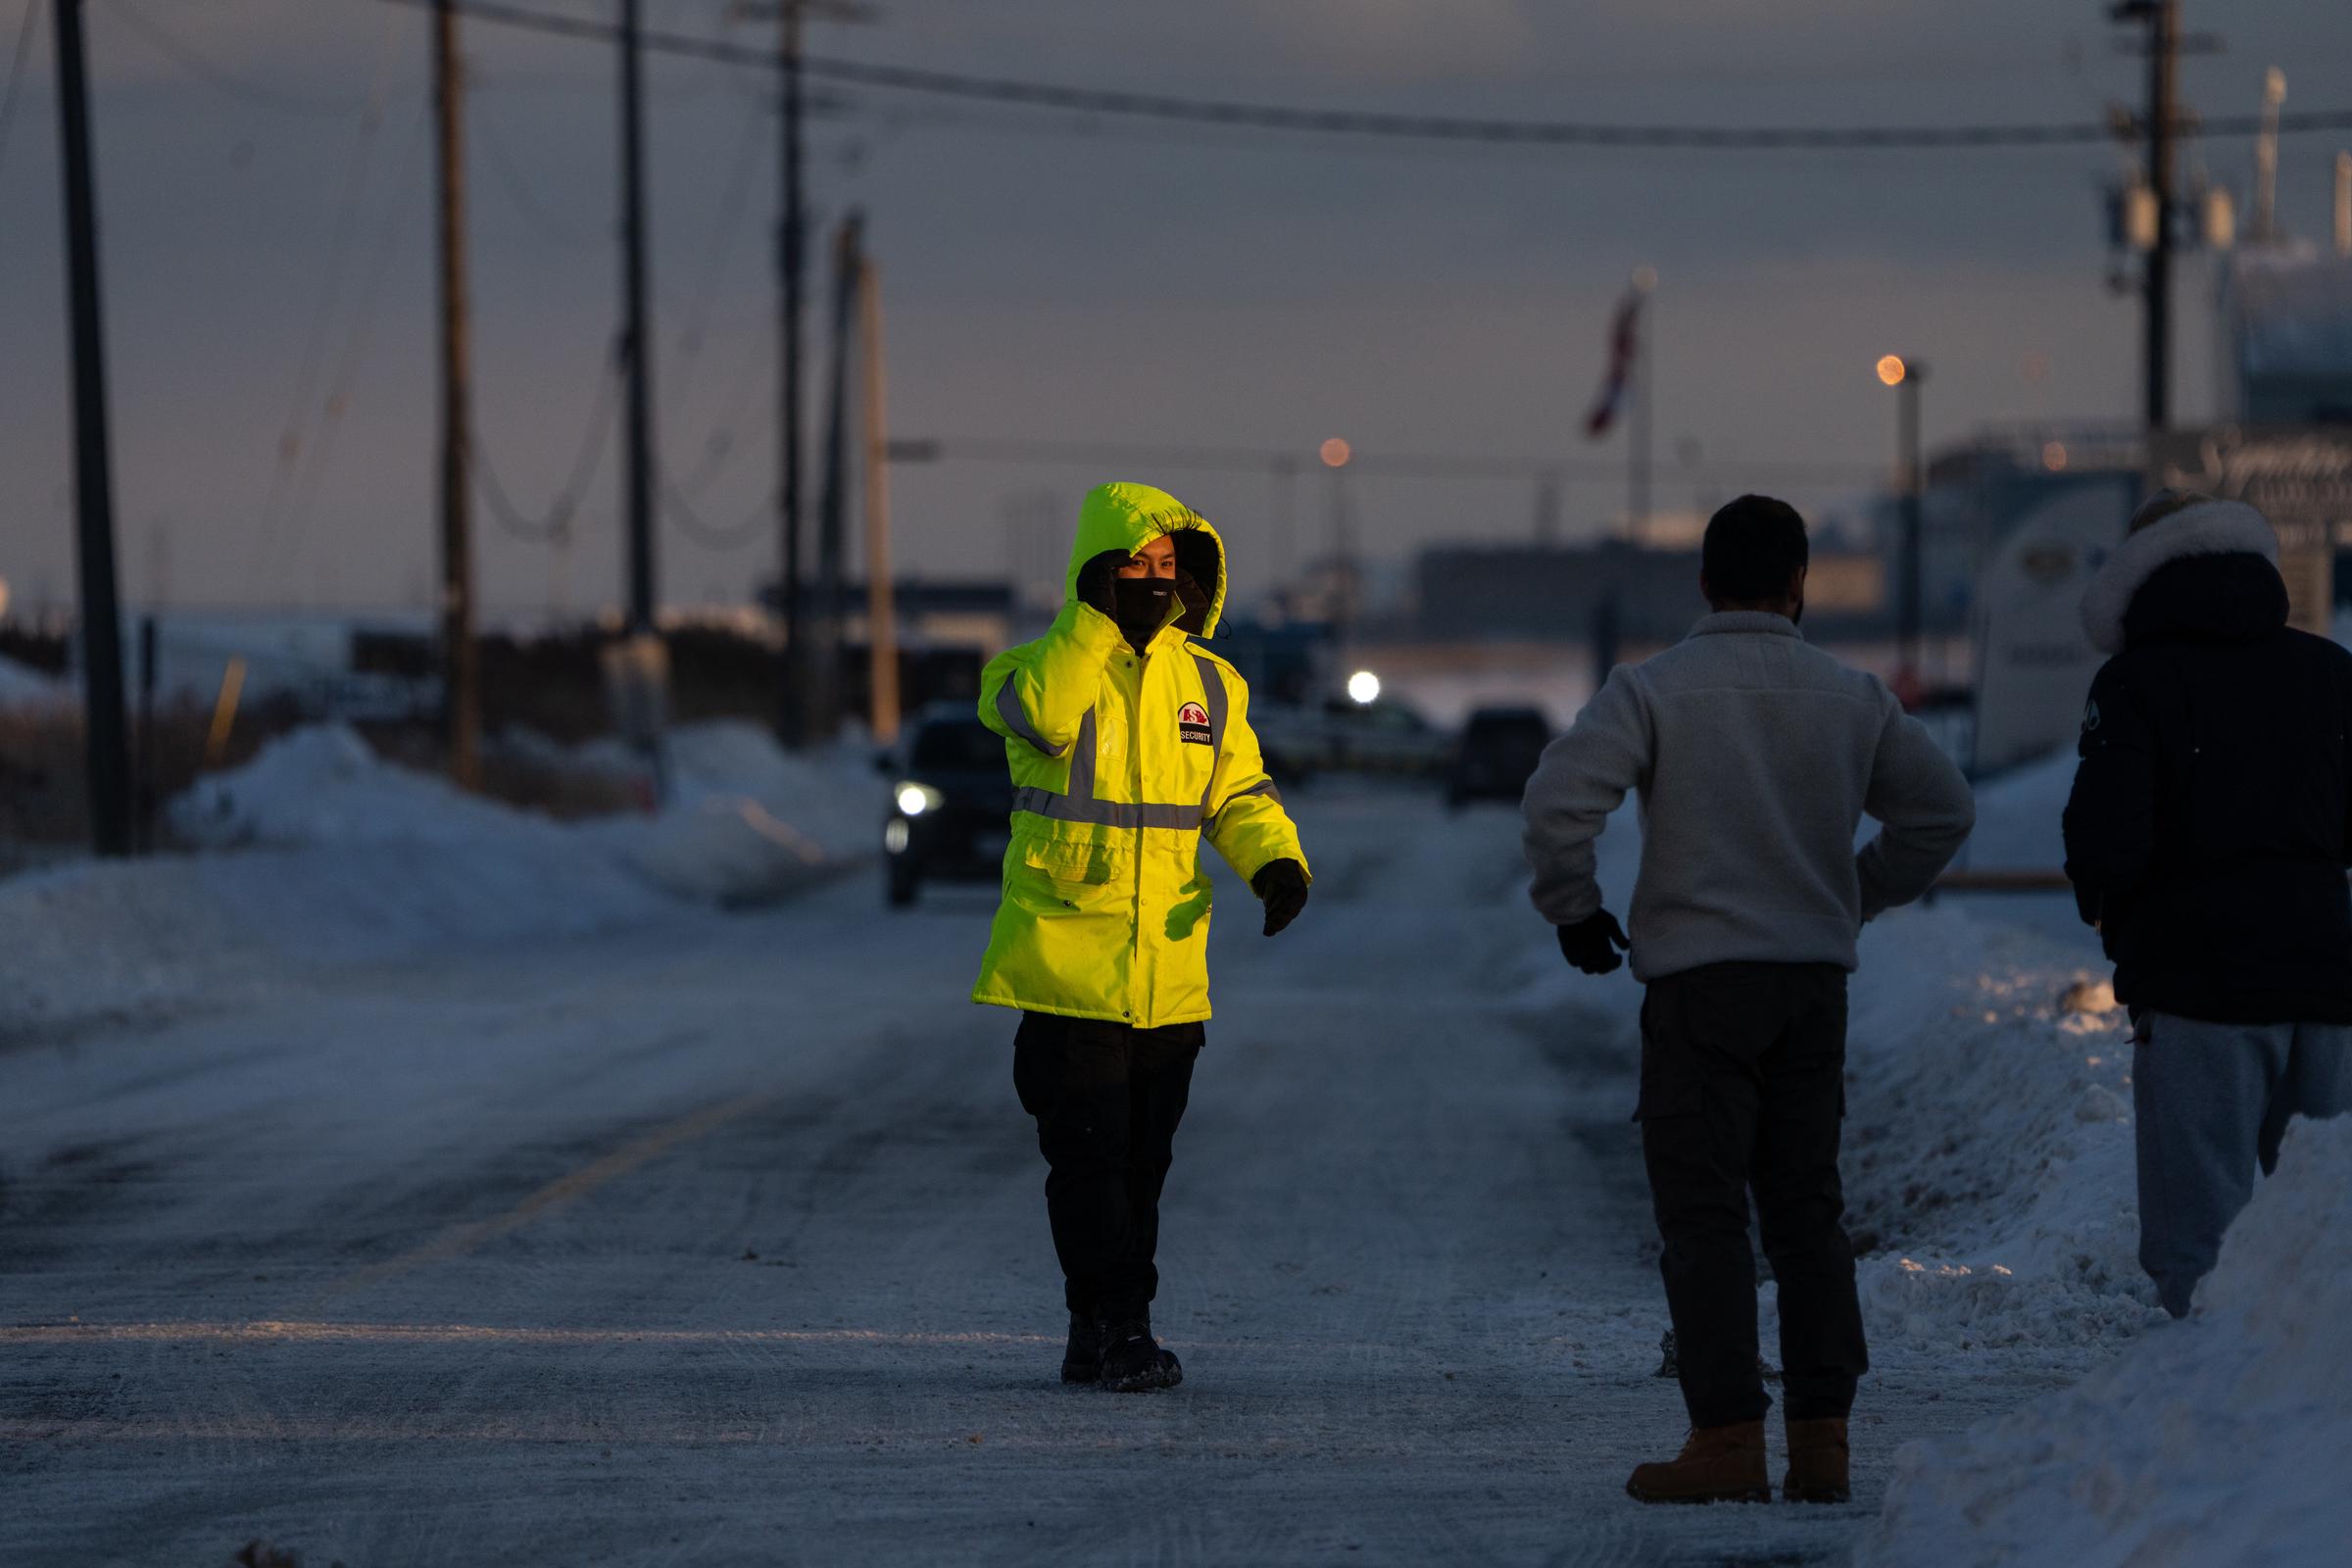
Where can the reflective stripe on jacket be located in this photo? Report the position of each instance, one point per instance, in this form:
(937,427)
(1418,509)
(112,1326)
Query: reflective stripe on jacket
(1121,766)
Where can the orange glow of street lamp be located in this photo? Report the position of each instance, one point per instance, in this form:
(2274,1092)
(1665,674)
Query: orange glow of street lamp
(1334,452)
(1892,370)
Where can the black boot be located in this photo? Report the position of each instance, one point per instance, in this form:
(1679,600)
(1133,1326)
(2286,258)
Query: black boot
(1082,1362)
(1133,1362)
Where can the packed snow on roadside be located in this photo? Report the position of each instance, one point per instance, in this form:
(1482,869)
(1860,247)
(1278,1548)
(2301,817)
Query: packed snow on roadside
(1988,1149)
(318,851)
(747,822)
(1991,1145)
(744,820)
(2225,1437)
(2018,817)
(326,786)
(1988,1139)
(23,687)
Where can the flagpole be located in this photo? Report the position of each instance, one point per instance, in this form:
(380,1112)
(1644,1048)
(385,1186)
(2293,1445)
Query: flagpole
(1637,485)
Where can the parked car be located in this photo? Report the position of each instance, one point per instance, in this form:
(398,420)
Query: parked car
(1291,740)
(1498,750)
(1384,736)
(949,804)
(1343,735)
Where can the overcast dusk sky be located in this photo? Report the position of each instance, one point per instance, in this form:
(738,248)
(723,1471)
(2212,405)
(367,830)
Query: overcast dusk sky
(1051,277)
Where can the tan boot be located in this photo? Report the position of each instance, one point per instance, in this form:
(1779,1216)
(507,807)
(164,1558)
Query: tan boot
(1817,1463)
(1717,1464)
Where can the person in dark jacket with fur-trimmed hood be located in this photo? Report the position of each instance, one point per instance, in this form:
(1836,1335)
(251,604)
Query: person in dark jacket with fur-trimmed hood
(2206,838)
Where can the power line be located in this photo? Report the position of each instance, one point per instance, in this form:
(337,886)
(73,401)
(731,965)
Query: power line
(1385,124)
(172,48)
(681,511)
(502,169)
(554,527)
(727,230)
(397,221)
(1284,460)
(296,433)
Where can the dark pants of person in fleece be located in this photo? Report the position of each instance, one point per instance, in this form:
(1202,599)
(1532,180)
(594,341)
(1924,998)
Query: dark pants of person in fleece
(1106,1098)
(1742,1088)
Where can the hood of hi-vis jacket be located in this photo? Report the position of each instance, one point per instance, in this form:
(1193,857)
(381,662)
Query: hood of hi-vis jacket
(1122,764)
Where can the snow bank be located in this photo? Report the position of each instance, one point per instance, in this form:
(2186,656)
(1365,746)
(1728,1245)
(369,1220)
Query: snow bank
(2223,1439)
(339,858)
(2018,817)
(324,785)
(830,797)
(23,686)
(749,822)
(1989,1145)
(727,850)
(318,851)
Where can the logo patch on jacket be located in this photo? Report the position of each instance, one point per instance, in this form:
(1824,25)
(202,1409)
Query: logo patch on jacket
(1191,724)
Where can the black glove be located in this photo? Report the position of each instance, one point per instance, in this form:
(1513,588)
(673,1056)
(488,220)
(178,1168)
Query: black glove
(1095,577)
(1281,885)
(1592,942)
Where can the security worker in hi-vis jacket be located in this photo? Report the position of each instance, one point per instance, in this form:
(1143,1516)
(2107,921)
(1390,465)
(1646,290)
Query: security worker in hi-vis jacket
(1129,744)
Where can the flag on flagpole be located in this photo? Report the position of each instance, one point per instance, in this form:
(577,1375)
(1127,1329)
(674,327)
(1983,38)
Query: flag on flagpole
(1624,340)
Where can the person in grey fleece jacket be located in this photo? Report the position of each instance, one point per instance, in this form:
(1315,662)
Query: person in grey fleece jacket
(1755,758)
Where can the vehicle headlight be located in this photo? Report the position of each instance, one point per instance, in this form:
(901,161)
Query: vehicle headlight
(917,799)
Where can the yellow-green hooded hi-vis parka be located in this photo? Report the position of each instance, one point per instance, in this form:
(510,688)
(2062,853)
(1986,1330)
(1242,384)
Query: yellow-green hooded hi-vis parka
(1121,766)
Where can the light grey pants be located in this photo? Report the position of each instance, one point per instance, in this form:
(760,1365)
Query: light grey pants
(2210,1101)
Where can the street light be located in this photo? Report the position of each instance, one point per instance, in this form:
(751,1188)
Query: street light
(1906,377)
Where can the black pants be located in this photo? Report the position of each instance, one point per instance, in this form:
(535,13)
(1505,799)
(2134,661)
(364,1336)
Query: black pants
(1106,1098)
(1743,1086)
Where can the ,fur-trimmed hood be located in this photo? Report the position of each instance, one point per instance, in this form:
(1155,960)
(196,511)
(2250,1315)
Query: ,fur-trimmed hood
(2208,529)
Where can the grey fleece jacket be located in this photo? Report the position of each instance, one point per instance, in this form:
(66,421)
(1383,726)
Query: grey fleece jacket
(1756,756)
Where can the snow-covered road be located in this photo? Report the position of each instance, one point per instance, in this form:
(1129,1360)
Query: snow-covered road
(720,1239)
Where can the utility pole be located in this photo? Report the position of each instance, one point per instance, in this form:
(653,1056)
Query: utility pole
(460,669)
(637,337)
(823,710)
(2266,159)
(1547,511)
(1915,484)
(1645,283)
(2161,126)
(881,598)
(102,716)
(2164,55)
(1285,472)
(2343,205)
(791,272)
(1336,454)
(792,255)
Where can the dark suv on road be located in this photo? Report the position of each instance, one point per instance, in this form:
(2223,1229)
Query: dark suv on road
(949,804)
(1498,750)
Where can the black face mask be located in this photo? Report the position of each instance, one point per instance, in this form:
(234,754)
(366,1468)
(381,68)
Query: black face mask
(1144,604)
